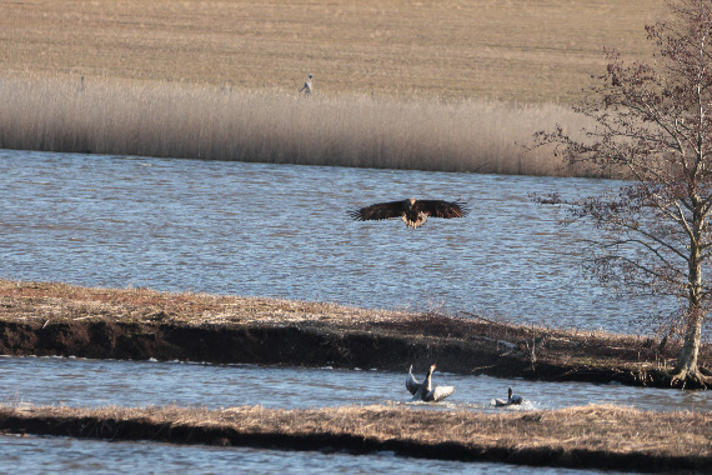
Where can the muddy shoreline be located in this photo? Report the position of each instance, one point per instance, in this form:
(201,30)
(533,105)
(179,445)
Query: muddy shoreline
(535,438)
(300,346)
(58,319)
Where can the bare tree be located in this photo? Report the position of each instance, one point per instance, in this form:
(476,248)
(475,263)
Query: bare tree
(653,122)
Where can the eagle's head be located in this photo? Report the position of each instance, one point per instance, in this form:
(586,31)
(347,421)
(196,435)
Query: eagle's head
(410,202)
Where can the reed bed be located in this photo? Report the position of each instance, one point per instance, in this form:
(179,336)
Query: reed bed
(601,436)
(170,119)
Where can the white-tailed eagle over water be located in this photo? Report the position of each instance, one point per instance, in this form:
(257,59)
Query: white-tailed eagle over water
(413,212)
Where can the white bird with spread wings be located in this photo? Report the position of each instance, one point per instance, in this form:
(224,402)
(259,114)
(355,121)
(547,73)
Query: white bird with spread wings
(423,391)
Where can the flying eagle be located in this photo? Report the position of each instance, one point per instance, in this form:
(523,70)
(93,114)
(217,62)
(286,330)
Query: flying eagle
(413,212)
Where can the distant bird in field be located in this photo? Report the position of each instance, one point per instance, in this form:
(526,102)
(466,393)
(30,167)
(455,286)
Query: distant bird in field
(307,87)
(424,391)
(413,212)
(512,399)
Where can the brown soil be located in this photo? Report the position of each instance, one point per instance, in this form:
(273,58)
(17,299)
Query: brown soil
(58,319)
(522,50)
(603,437)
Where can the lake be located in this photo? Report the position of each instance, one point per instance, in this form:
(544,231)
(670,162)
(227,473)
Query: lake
(78,456)
(283,231)
(86,382)
(83,382)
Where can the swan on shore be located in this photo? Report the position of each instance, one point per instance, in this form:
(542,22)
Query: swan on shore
(512,399)
(423,391)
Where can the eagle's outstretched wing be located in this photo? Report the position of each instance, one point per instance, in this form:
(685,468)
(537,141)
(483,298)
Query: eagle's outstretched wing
(441,209)
(392,209)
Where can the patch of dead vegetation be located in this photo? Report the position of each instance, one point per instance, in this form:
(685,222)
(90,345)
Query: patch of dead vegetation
(603,436)
(566,346)
(43,301)
(503,348)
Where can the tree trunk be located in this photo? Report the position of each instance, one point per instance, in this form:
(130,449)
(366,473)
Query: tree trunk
(686,372)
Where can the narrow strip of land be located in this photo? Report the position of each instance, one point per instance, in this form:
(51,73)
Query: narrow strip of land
(38,318)
(605,437)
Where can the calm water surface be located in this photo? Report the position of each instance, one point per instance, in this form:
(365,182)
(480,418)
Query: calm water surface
(283,231)
(82,382)
(79,382)
(62,455)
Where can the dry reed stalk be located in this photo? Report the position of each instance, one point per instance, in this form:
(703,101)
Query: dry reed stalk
(119,117)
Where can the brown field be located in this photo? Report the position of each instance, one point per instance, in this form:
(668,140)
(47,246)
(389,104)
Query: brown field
(59,319)
(595,436)
(452,85)
(521,50)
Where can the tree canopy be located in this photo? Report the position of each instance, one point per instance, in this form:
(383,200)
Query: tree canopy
(653,121)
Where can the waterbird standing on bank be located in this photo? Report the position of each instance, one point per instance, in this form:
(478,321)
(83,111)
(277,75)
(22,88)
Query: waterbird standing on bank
(307,87)
(424,391)
(414,213)
(512,399)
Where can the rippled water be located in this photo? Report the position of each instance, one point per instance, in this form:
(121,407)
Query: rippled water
(61,455)
(283,231)
(79,382)
(82,382)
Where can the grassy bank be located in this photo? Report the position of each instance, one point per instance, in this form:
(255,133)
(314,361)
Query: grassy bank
(191,121)
(59,319)
(605,437)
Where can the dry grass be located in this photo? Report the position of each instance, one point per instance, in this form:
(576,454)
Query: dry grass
(521,50)
(40,303)
(433,86)
(35,302)
(596,435)
(192,121)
